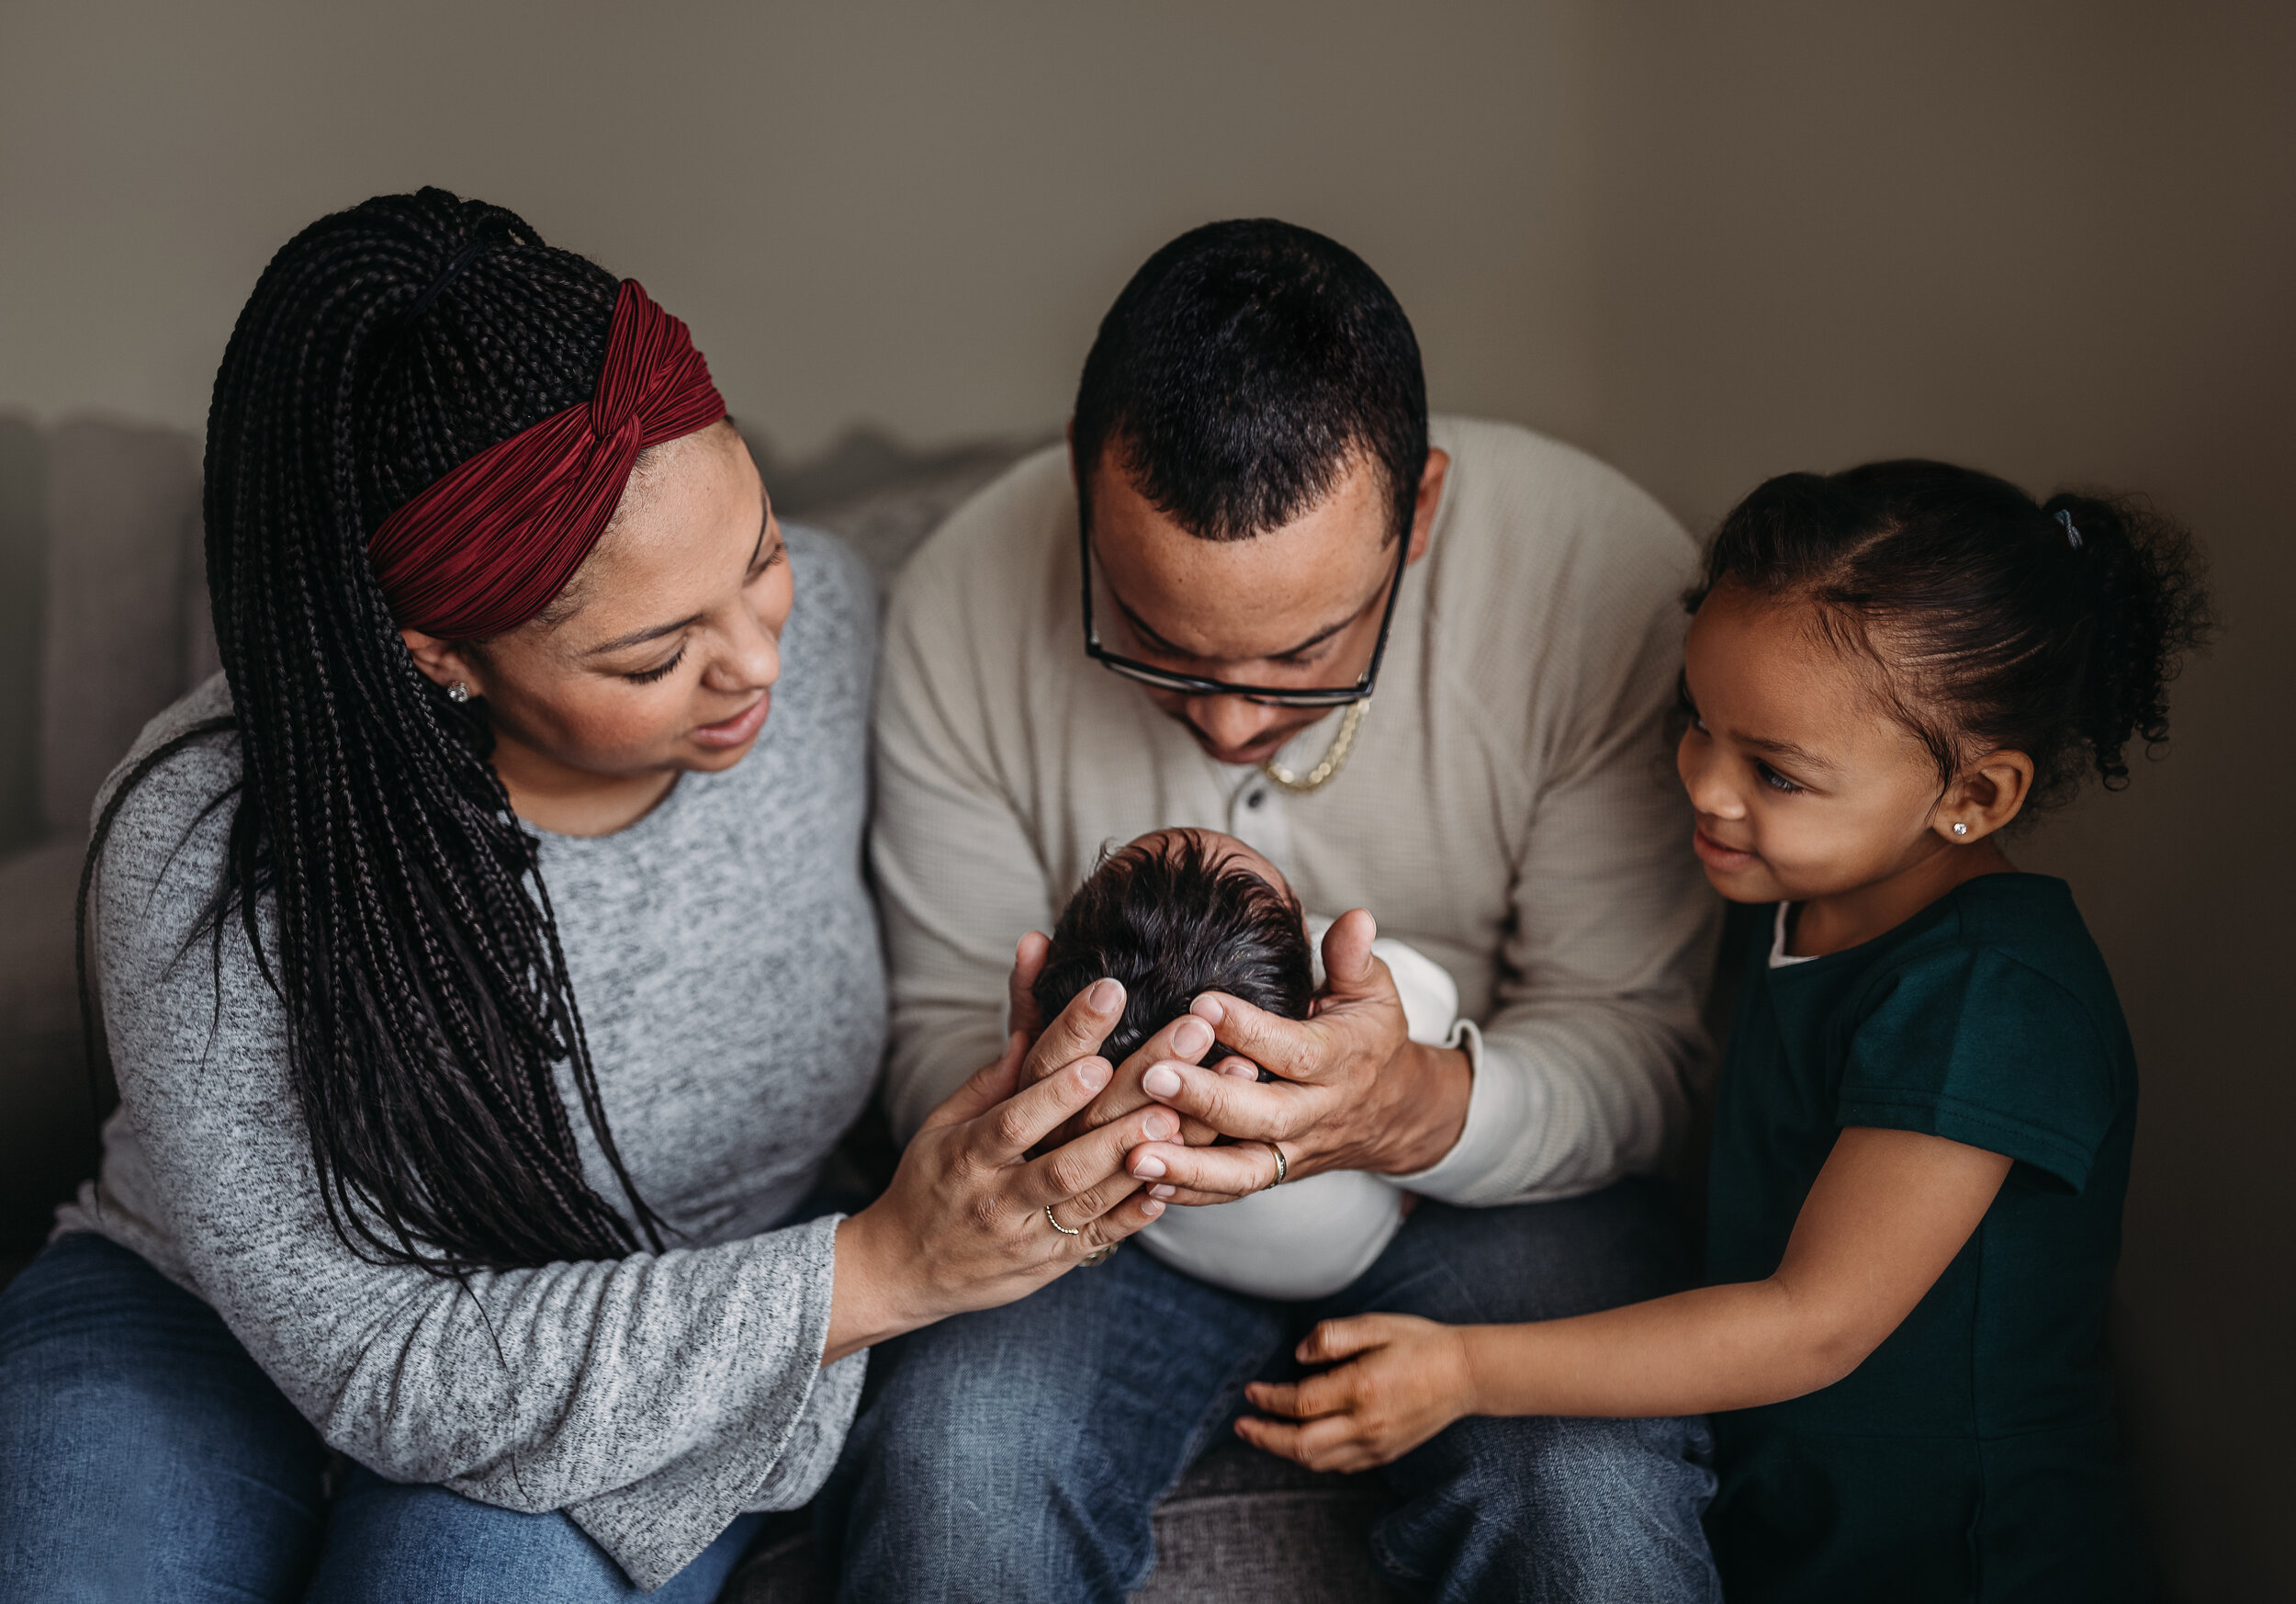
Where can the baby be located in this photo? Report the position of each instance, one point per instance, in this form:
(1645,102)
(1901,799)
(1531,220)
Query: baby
(1179,912)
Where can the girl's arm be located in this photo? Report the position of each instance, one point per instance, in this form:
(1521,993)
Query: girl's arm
(1884,1217)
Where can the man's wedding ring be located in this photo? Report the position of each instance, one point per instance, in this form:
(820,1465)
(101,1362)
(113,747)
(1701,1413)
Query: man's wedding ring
(1283,1169)
(1098,1255)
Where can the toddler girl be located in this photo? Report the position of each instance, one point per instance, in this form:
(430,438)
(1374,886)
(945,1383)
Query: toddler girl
(1923,1125)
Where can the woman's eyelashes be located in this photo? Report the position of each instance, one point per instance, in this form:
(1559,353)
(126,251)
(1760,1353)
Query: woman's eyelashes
(660,670)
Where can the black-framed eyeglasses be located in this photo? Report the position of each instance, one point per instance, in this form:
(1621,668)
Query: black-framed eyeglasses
(1273,695)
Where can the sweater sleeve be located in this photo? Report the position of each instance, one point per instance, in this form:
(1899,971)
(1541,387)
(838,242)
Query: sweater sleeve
(653,1398)
(1583,1067)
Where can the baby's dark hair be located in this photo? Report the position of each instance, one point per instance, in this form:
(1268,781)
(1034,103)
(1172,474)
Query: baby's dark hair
(1170,918)
(1999,623)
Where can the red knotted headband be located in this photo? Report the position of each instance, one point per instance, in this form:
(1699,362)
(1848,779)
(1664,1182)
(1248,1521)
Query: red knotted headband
(486,548)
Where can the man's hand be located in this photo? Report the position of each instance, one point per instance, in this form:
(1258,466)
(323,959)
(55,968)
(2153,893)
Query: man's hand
(1355,1092)
(1406,1378)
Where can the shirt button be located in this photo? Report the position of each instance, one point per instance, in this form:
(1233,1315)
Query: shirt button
(1253,799)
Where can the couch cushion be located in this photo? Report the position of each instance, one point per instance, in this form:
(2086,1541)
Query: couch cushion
(47,1123)
(882,498)
(23,559)
(123,587)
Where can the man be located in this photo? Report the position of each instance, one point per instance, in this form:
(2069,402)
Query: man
(1181,620)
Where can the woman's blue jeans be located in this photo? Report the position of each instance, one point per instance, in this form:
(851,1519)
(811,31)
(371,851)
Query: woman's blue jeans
(144,1456)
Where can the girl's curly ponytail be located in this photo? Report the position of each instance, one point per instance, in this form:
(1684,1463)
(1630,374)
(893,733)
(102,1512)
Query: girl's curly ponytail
(2149,609)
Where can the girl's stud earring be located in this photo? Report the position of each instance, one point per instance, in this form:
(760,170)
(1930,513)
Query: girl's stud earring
(458,692)
(1958,829)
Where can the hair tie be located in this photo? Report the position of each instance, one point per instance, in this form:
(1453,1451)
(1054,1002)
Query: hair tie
(489,231)
(2071,534)
(486,548)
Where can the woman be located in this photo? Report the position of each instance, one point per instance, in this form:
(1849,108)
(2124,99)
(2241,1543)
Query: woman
(483,1006)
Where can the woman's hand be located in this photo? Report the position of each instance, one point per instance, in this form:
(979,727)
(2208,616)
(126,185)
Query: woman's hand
(1184,1040)
(1406,1378)
(964,1226)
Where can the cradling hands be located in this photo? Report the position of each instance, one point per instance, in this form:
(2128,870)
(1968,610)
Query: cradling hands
(1353,1090)
(1184,1040)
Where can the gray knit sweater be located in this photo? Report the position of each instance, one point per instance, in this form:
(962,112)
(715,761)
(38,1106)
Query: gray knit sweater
(725,958)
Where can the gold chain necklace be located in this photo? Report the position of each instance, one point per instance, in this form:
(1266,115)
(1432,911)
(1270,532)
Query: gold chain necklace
(1334,756)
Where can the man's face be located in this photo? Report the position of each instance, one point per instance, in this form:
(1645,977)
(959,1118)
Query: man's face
(1295,606)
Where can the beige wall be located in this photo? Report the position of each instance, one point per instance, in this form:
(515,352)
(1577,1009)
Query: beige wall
(1710,243)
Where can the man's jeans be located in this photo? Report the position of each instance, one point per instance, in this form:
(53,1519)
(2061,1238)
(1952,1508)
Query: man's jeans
(1014,1454)
(143,1455)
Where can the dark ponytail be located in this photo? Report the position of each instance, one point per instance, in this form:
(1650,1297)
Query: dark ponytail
(2150,609)
(2051,629)
(416,958)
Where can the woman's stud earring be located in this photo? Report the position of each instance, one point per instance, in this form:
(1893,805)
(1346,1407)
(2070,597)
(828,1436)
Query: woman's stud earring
(458,692)
(1958,829)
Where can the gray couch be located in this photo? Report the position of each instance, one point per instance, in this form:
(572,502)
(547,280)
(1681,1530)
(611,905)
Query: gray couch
(104,621)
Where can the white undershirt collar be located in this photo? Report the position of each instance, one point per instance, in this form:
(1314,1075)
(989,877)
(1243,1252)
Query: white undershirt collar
(1779,957)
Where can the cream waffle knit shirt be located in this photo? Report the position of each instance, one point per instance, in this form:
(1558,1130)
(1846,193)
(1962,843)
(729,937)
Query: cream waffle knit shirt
(1509,809)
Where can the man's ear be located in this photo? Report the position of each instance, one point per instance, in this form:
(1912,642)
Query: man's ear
(1989,792)
(1422,513)
(442,661)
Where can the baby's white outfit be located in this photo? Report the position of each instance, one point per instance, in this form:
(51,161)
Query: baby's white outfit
(1310,1237)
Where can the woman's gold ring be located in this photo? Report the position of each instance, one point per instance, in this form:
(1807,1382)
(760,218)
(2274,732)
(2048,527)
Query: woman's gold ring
(1283,1169)
(1063,1230)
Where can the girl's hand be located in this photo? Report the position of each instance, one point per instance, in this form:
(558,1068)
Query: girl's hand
(1406,1380)
(964,1226)
(1887,1214)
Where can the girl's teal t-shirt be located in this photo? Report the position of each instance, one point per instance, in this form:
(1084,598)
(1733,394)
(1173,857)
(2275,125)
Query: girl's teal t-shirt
(1974,1453)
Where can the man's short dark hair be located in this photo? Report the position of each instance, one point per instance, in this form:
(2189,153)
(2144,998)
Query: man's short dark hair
(1169,920)
(1242,371)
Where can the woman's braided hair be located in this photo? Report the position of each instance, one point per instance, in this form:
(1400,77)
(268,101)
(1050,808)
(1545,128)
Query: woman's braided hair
(416,954)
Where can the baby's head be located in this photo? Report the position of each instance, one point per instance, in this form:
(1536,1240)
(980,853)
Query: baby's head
(1173,914)
(1901,658)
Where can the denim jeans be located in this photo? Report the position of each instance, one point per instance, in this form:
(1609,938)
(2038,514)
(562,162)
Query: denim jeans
(1015,1455)
(144,1456)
